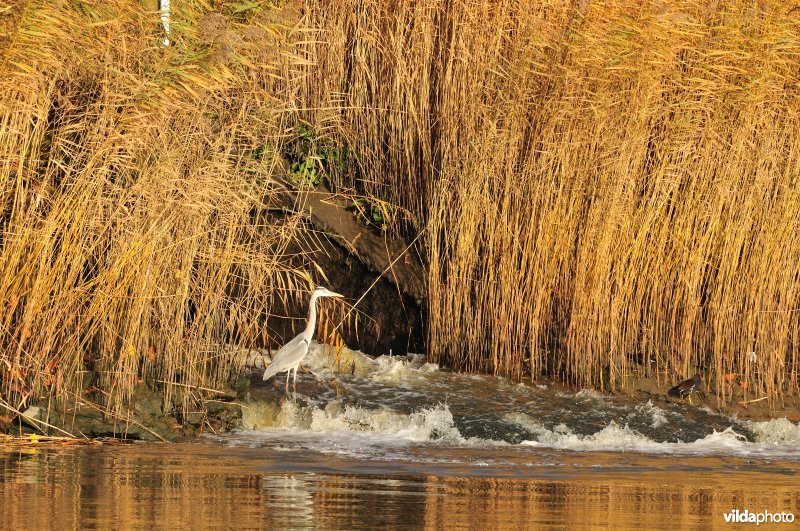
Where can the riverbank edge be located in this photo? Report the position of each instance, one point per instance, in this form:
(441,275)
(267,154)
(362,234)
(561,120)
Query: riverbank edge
(149,419)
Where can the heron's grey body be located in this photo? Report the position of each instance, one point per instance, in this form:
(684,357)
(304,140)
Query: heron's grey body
(289,357)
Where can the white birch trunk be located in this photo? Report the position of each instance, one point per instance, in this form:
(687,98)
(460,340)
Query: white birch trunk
(163,9)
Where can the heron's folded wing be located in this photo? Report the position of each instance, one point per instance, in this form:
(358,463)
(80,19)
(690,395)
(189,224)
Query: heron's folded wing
(291,354)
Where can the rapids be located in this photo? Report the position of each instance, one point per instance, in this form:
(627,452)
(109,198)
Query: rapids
(385,405)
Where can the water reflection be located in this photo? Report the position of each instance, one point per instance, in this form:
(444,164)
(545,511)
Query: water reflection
(208,486)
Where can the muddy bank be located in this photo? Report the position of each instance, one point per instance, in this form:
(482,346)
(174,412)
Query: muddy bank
(738,403)
(148,417)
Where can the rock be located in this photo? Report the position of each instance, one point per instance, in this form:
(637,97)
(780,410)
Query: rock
(147,402)
(216,407)
(195,418)
(228,394)
(30,416)
(146,419)
(241,386)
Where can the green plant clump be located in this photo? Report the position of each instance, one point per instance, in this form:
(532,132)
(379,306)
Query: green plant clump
(373,212)
(313,158)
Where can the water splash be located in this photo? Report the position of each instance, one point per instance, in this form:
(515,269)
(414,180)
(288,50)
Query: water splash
(618,438)
(435,423)
(351,401)
(778,432)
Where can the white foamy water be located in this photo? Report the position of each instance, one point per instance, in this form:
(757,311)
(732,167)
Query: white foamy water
(353,431)
(435,423)
(658,416)
(771,442)
(587,394)
(617,438)
(778,432)
(358,405)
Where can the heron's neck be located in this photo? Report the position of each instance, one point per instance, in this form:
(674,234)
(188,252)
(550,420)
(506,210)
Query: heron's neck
(312,319)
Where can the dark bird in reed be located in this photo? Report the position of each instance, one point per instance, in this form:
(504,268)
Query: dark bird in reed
(686,388)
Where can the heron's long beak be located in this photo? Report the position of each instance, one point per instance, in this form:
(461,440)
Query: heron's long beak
(332,294)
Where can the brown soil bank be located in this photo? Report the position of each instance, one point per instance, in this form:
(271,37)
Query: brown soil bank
(738,402)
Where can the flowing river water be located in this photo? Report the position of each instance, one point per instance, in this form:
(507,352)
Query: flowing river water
(399,443)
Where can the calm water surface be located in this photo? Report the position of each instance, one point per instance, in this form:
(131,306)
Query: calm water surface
(399,444)
(210,485)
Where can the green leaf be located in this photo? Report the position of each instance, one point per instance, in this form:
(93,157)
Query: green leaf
(241,7)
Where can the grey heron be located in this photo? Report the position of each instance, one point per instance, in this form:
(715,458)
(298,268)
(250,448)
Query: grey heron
(290,355)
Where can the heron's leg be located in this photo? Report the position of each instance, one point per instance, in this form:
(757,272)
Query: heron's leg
(294,380)
(287,380)
(690,399)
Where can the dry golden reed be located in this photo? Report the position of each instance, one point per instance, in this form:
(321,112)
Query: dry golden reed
(609,187)
(134,186)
